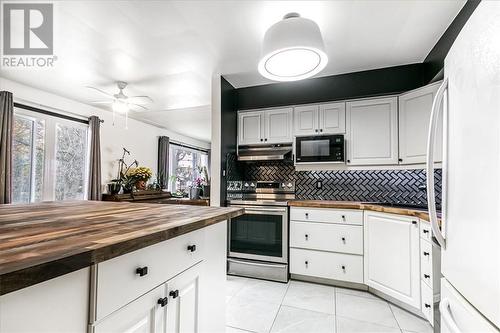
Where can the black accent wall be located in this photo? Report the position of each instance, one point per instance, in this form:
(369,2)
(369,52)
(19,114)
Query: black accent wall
(228,129)
(434,62)
(377,82)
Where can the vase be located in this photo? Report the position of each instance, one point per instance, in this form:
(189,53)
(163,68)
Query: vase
(194,193)
(206,191)
(114,188)
(140,185)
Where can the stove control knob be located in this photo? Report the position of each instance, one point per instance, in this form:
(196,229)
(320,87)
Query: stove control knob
(252,185)
(246,185)
(290,185)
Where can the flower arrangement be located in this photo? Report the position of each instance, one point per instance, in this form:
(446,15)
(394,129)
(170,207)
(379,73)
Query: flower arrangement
(140,173)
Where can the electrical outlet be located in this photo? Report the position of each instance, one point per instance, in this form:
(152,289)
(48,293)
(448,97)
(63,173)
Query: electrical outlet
(319,184)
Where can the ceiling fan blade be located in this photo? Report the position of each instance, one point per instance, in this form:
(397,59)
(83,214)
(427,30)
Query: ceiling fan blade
(140,99)
(137,105)
(101,91)
(101,102)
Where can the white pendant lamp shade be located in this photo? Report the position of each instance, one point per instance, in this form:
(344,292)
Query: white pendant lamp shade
(292,50)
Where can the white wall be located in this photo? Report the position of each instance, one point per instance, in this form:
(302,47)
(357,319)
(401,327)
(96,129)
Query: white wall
(140,139)
(215,166)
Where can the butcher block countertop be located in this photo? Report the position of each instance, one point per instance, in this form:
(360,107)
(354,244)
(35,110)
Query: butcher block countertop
(420,213)
(42,241)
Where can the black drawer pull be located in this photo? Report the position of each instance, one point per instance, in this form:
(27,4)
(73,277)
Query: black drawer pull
(191,248)
(174,293)
(307,215)
(141,271)
(343,217)
(413,222)
(427,276)
(427,305)
(343,239)
(306,262)
(307,236)
(426,253)
(425,231)
(343,268)
(163,301)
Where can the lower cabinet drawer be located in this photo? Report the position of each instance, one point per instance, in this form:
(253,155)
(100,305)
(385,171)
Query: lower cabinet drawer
(337,266)
(327,215)
(427,302)
(122,279)
(426,262)
(327,237)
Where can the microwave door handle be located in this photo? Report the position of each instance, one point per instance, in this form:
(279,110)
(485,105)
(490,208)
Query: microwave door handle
(431,139)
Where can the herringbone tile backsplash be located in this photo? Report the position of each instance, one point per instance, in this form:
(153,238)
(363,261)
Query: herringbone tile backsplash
(394,186)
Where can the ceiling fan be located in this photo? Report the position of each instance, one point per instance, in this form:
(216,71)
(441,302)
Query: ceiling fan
(122,103)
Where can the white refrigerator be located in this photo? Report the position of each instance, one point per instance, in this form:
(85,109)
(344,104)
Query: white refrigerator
(470,227)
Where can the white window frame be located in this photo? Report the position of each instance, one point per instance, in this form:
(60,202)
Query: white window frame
(50,149)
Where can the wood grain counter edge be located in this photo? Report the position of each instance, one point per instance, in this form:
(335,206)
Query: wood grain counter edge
(22,277)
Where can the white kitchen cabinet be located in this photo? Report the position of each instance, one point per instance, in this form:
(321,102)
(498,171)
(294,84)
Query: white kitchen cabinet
(144,315)
(59,305)
(391,252)
(414,116)
(332,118)
(265,126)
(183,306)
(250,127)
(319,119)
(278,125)
(372,132)
(306,120)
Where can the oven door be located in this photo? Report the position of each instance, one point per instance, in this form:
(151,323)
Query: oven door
(313,149)
(261,233)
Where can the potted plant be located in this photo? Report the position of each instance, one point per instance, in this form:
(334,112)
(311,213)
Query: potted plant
(139,176)
(206,183)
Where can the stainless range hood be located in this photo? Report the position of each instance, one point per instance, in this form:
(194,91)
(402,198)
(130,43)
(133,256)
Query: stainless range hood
(264,153)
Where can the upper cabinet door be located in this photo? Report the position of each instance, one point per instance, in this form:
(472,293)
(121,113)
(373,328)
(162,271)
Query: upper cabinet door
(306,120)
(414,114)
(250,127)
(332,118)
(372,132)
(278,125)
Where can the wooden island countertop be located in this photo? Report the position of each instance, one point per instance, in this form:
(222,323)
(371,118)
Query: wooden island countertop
(41,241)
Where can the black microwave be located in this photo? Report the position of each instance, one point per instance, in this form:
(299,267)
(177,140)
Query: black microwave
(324,148)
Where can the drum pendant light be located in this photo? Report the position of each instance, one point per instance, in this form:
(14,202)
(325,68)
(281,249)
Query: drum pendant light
(292,50)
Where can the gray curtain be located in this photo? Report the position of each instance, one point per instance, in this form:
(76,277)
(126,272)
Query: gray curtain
(6,129)
(163,158)
(95,159)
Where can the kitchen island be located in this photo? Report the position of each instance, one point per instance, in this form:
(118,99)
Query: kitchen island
(84,266)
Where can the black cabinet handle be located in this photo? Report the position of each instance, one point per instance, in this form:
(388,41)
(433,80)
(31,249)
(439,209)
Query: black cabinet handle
(307,215)
(163,301)
(343,239)
(348,161)
(261,139)
(321,130)
(343,217)
(307,236)
(413,222)
(400,160)
(427,276)
(343,268)
(174,293)
(427,305)
(316,130)
(426,253)
(306,262)
(191,248)
(425,231)
(265,139)
(141,271)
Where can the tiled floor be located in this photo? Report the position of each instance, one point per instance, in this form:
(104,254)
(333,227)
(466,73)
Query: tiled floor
(299,307)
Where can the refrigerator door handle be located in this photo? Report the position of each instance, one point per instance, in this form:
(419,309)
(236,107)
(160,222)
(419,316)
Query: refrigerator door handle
(431,199)
(444,308)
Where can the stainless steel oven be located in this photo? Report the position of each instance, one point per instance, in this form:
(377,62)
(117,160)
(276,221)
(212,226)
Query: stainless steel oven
(258,239)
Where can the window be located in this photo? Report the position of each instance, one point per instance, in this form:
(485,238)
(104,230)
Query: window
(50,158)
(185,165)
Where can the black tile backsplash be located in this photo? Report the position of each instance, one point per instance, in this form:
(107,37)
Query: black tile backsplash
(405,187)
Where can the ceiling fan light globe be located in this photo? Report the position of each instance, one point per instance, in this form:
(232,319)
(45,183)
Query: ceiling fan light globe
(120,107)
(292,50)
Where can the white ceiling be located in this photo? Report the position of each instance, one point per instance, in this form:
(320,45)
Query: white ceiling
(170,49)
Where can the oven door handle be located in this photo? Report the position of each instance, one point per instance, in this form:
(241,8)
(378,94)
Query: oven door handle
(264,210)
